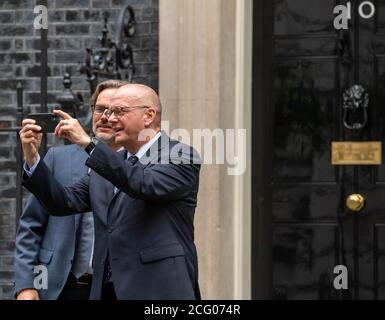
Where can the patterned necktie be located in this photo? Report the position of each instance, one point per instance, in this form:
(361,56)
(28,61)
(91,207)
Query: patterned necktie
(132,159)
(107,271)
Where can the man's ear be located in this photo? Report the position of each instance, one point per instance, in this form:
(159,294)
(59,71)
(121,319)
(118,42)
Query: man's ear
(149,116)
(146,120)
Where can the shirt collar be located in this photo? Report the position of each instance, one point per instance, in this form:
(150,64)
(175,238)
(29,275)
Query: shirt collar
(143,149)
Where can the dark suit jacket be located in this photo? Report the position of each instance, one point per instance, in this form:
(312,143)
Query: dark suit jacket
(146,228)
(45,239)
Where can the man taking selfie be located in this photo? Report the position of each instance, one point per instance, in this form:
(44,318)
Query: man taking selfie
(143,199)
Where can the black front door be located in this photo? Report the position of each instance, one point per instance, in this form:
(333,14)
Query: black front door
(312,228)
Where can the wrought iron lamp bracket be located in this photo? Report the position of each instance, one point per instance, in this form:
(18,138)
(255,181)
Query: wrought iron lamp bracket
(113,57)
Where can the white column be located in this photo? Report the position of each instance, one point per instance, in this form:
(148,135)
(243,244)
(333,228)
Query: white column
(205,82)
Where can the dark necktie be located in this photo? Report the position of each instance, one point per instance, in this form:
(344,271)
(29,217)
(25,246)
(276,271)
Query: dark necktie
(133,159)
(107,270)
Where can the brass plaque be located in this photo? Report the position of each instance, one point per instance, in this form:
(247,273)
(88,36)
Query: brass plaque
(356,153)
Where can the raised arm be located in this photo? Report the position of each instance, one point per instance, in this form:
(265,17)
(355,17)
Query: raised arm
(158,182)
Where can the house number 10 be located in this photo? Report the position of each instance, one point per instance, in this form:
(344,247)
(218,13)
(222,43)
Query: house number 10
(345,13)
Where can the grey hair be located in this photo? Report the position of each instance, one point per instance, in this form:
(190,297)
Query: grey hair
(107,84)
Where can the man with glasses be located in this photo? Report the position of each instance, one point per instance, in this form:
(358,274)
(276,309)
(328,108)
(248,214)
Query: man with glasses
(143,199)
(63,244)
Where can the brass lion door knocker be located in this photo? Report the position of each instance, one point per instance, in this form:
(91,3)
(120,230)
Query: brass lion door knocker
(355,102)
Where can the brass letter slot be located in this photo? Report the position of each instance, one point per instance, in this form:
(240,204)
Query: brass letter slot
(356,153)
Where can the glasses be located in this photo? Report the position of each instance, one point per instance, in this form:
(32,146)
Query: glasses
(117,111)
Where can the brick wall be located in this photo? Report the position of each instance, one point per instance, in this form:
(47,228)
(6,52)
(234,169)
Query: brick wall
(73,25)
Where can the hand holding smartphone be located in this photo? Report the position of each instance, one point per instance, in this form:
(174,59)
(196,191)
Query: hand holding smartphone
(47,121)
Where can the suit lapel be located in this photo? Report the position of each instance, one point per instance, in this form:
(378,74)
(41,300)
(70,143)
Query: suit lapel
(111,188)
(156,152)
(123,154)
(104,194)
(152,155)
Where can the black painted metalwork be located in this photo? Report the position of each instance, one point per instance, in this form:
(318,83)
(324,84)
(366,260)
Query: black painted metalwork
(69,101)
(44,75)
(113,57)
(19,154)
(262,118)
(355,100)
(43,64)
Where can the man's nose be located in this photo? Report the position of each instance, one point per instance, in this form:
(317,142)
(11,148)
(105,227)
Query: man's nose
(112,118)
(104,117)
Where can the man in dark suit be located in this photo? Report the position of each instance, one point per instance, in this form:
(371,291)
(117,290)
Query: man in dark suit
(63,244)
(143,199)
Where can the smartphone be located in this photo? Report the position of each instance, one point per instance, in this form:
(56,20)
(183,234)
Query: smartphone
(47,121)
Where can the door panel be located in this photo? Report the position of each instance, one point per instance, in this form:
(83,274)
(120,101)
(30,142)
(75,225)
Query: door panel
(294,17)
(304,254)
(312,229)
(305,99)
(305,203)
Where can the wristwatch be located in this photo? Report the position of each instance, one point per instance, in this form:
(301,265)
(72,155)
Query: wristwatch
(91,146)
